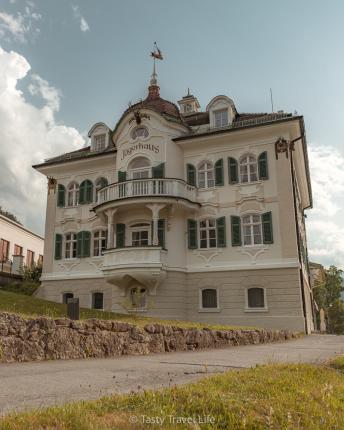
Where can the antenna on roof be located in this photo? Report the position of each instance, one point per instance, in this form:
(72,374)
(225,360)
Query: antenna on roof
(272,101)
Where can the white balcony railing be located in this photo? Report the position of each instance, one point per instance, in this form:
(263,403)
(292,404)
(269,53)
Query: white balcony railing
(147,187)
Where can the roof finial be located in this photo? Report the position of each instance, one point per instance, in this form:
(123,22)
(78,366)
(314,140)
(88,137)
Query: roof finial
(188,92)
(153,89)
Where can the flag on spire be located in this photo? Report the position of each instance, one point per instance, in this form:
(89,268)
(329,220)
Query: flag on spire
(156,53)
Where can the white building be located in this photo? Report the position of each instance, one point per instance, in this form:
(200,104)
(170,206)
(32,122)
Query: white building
(184,214)
(18,241)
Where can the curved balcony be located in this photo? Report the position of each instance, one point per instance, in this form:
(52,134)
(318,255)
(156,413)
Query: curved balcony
(150,187)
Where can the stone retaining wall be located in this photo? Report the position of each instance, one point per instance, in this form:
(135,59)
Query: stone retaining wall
(51,339)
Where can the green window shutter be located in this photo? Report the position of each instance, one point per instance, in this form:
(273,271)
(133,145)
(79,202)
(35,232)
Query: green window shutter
(86,244)
(85,192)
(61,196)
(58,246)
(221,232)
(122,176)
(82,192)
(192,234)
(263,166)
(267,227)
(236,230)
(103,182)
(191,174)
(120,235)
(161,232)
(219,181)
(79,245)
(158,171)
(233,170)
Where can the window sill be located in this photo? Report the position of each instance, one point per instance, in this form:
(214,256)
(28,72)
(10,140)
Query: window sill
(207,310)
(256,310)
(243,184)
(137,310)
(208,188)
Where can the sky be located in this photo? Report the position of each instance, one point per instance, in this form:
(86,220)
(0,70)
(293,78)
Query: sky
(65,65)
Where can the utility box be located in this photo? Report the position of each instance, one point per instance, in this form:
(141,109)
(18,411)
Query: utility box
(73,309)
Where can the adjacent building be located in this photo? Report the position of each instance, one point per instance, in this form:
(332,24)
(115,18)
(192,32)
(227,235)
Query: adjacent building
(184,214)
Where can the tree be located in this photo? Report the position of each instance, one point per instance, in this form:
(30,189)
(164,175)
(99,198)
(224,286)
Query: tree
(32,273)
(327,294)
(9,215)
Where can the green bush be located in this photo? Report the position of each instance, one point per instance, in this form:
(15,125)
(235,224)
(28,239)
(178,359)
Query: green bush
(26,287)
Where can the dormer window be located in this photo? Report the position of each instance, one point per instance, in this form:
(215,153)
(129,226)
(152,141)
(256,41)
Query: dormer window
(221,118)
(188,108)
(141,132)
(99,142)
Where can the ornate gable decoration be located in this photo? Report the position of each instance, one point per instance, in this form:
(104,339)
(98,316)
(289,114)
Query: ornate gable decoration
(138,117)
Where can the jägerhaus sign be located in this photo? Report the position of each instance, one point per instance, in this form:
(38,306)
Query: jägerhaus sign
(138,147)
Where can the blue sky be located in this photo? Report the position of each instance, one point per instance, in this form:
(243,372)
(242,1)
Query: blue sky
(79,62)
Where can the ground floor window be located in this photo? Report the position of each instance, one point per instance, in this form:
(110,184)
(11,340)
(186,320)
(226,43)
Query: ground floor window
(98,301)
(66,296)
(209,298)
(99,242)
(138,297)
(4,249)
(18,250)
(207,232)
(256,298)
(252,229)
(70,250)
(30,258)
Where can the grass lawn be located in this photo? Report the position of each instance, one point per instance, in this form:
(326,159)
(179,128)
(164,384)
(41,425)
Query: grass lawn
(28,306)
(266,397)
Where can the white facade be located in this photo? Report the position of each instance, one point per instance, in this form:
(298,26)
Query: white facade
(189,216)
(16,240)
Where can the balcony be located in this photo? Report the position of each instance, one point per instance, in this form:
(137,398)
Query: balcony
(143,265)
(138,188)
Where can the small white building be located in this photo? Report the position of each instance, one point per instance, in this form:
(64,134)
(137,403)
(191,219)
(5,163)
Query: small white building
(184,214)
(18,241)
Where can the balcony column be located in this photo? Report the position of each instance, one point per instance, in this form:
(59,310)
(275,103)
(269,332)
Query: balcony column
(110,219)
(155,208)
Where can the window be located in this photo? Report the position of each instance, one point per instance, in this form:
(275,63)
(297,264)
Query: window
(138,297)
(73,194)
(221,118)
(40,260)
(252,230)
(99,242)
(140,234)
(248,169)
(4,250)
(98,301)
(256,298)
(209,298)
(30,258)
(70,250)
(99,184)
(207,233)
(18,250)
(206,175)
(99,142)
(67,296)
(139,168)
(139,132)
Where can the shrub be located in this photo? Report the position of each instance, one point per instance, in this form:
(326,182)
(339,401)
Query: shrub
(26,287)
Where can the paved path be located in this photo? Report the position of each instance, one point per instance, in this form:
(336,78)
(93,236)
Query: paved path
(32,385)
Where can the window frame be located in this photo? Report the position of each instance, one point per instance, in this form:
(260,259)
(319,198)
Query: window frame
(140,227)
(73,190)
(256,309)
(32,254)
(251,225)
(93,293)
(4,256)
(65,302)
(134,130)
(98,240)
(209,174)
(221,112)
(246,163)
(68,243)
(207,229)
(200,300)
(138,308)
(99,146)
(15,250)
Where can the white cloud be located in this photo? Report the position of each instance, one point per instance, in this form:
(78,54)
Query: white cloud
(21,25)
(325,224)
(27,136)
(83,23)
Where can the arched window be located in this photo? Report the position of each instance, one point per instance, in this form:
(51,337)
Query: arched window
(206,175)
(256,298)
(73,194)
(66,296)
(207,233)
(98,301)
(139,168)
(138,297)
(209,298)
(99,242)
(248,168)
(99,184)
(140,131)
(252,229)
(70,245)
(140,234)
